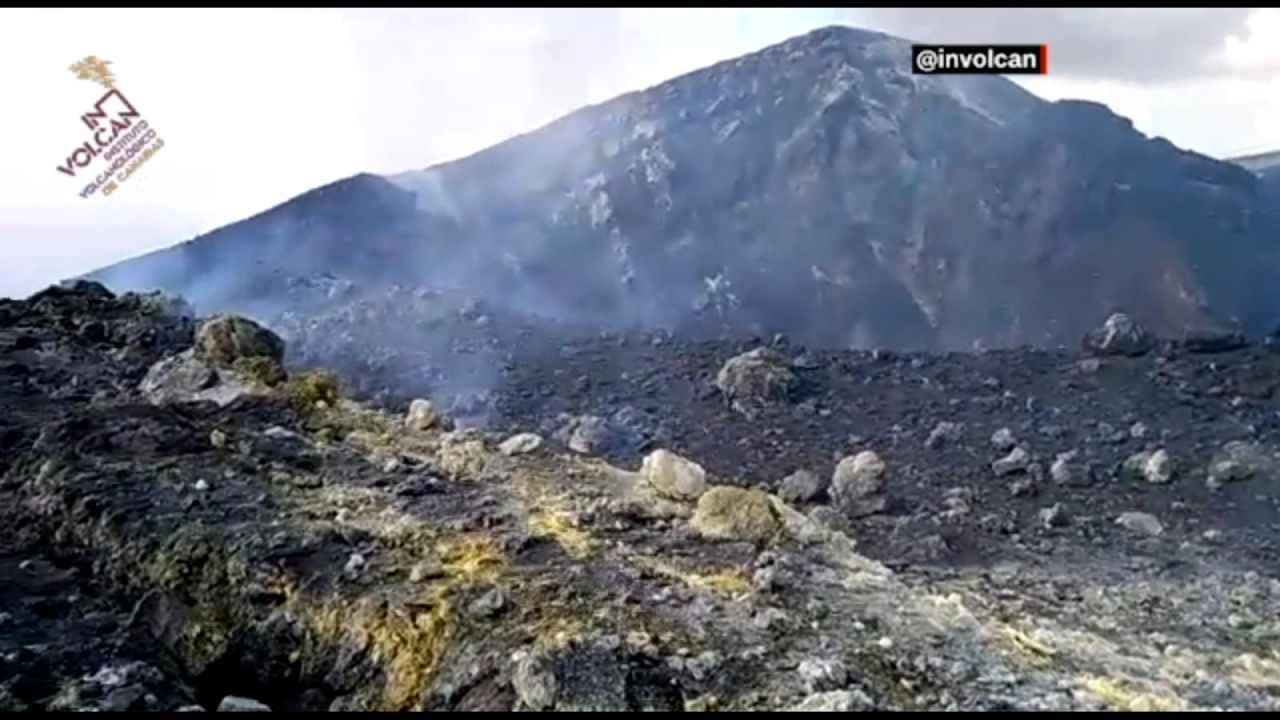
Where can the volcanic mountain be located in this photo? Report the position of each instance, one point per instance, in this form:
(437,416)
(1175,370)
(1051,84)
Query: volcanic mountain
(816,188)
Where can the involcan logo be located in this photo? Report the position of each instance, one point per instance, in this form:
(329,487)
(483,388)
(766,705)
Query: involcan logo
(117,134)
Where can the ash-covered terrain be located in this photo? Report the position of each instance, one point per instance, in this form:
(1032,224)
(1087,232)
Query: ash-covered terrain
(797,382)
(190,522)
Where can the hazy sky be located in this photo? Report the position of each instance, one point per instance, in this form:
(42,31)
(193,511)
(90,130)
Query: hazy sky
(256,106)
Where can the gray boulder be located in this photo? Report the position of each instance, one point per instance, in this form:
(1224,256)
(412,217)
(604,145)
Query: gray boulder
(756,378)
(1119,335)
(224,339)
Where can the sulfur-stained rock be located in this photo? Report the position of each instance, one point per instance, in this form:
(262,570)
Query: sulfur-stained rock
(730,513)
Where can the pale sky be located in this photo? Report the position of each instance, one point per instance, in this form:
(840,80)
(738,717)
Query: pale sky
(256,106)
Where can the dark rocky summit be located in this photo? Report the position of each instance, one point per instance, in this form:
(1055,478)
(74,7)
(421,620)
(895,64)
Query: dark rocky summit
(816,188)
(280,545)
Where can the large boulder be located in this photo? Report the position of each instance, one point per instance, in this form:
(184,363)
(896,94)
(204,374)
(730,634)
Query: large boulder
(673,477)
(178,378)
(858,482)
(731,513)
(753,379)
(1237,460)
(224,339)
(1119,335)
(1206,341)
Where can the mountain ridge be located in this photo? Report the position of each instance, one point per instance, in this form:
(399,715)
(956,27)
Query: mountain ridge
(816,188)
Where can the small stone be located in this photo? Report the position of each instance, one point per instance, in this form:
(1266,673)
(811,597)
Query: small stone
(1138,431)
(520,444)
(534,680)
(1018,460)
(801,486)
(1062,470)
(391,465)
(1022,487)
(885,643)
(590,435)
(1154,467)
(1089,366)
(821,674)
(422,415)
(1003,439)
(771,618)
(426,570)
(231,703)
(1159,468)
(488,605)
(355,563)
(202,485)
(834,701)
(217,438)
(192,708)
(673,477)
(765,579)
(944,433)
(1140,522)
(1053,516)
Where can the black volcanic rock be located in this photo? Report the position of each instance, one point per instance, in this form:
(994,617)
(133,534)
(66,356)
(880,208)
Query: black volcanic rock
(816,188)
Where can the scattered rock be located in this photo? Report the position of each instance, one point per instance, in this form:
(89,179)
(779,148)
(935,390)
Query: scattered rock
(202,485)
(1211,341)
(1140,522)
(534,680)
(801,486)
(1053,516)
(426,570)
(422,415)
(1154,467)
(1089,366)
(944,433)
(1138,430)
(673,477)
(731,513)
(834,701)
(217,438)
(1003,440)
(178,378)
(520,444)
(821,674)
(1119,335)
(755,378)
(490,604)
(224,339)
(590,435)
(231,703)
(858,481)
(355,563)
(1237,460)
(1062,470)
(1017,461)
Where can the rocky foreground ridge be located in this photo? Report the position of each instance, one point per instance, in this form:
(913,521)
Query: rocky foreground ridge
(190,521)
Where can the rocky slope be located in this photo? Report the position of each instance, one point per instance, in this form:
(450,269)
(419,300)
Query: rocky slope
(815,188)
(186,524)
